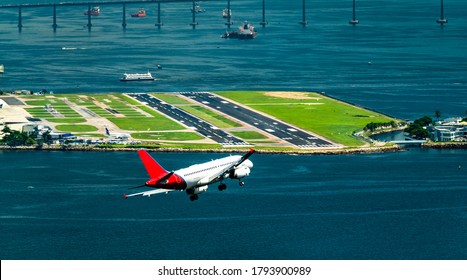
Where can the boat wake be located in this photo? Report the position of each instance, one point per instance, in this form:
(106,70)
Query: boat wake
(71,48)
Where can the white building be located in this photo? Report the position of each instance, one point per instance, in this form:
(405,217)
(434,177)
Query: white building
(446,133)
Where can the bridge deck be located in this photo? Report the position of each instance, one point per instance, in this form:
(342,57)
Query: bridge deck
(92,3)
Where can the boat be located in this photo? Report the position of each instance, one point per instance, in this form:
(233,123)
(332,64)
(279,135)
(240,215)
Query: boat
(246,31)
(137,77)
(140,13)
(95,11)
(198,9)
(2,69)
(227,13)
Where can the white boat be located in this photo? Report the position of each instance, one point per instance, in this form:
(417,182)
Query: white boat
(226,13)
(2,69)
(137,77)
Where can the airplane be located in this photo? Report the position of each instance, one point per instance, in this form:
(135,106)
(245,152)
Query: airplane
(195,179)
(116,135)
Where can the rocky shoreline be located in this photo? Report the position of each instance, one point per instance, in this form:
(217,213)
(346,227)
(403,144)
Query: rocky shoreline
(361,150)
(445,145)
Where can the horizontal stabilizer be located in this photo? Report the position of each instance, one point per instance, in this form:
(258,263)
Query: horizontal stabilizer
(148,193)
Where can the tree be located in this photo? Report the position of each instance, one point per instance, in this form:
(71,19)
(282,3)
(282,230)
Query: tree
(16,138)
(416,129)
(424,121)
(6,129)
(47,138)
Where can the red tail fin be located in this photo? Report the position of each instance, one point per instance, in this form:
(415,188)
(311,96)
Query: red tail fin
(154,169)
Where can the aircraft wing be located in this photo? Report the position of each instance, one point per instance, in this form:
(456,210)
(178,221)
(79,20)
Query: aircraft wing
(227,169)
(148,193)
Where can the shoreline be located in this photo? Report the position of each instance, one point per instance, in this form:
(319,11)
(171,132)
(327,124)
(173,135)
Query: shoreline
(445,145)
(362,150)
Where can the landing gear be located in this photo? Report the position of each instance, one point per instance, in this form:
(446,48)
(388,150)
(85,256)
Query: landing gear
(194,197)
(222,187)
(241,183)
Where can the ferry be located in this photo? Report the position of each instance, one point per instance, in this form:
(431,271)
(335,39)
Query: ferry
(227,13)
(246,31)
(140,13)
(137,77)
(95,11)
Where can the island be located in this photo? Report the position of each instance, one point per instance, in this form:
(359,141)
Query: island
(221,121)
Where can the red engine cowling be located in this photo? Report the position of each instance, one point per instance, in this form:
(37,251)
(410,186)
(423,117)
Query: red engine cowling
(239,173)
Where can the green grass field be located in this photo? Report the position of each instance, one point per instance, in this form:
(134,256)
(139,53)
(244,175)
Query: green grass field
(66,120)
(247,135)
(171,98)
(210,116)
(173,136)
(146,124)
(76,127)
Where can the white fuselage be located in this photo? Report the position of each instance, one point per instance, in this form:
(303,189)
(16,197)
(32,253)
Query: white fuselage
(198,174)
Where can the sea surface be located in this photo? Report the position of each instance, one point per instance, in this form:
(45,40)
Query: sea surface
(70,205)
(398,61)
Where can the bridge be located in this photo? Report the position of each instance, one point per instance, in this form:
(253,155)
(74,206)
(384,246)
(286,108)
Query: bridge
(54,6)
(442,20)
(90,4)
(409,142)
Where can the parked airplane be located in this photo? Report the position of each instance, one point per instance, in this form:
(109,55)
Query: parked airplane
(195,179)
(117,135)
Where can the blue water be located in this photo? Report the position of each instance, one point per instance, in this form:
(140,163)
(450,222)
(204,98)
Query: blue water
(417,66)
(408,205)
(69,205)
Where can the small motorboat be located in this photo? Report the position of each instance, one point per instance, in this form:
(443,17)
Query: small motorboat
(226,13)
(197,9)
(140,13)
(95,11)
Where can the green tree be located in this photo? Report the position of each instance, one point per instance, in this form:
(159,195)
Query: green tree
(16,138)
(47,138)
(417,130)
(6,129)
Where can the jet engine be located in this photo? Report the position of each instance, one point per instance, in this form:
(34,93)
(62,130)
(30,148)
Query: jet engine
(197,190)
(239,173)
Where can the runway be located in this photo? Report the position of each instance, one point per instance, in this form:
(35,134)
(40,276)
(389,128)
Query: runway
(202,127)
(279,129)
